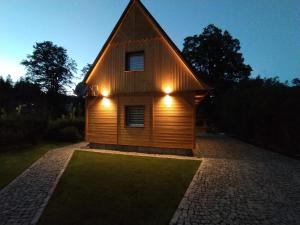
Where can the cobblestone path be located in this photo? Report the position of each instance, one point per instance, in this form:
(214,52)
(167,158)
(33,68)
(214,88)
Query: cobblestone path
(22,201)
(238,183)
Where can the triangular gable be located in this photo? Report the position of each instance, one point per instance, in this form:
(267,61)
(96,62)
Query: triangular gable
(135,26)
(118,35)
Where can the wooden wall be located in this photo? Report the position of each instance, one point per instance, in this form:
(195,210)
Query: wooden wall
(171,127)
(165,127)
(174,126)
(101,121)
(163,67)
(135,136)
(135,26)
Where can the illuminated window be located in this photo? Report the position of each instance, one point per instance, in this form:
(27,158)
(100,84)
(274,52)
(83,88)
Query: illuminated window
(135,116)
(134,61)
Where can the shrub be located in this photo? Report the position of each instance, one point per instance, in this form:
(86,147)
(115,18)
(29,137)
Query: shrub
(15,130)
(19,129)
(56,128)
(69,134)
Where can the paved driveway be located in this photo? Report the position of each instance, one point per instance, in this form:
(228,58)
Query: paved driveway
(23,200)
(238,183)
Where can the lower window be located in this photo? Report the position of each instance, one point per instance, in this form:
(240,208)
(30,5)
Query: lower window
(135,116)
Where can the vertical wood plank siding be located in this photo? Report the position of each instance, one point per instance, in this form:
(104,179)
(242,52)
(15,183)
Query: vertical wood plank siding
(162,66)
(162,69)
(102,121)
(169,127)
(173,126)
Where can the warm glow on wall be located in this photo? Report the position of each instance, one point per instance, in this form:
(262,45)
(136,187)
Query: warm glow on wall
(104,93)
(105,102)
(168,90)
(168,100)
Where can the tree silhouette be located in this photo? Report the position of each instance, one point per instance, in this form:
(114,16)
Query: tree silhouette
(85,69)
(6,87)
(216,56)
(296,82)
(50,67)
(26,92)
(80,88)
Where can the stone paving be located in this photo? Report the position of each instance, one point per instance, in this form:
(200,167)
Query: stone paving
(238,183)
(23,200)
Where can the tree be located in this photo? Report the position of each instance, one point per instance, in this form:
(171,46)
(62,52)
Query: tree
(50,67)
(6,91)
(9,81)
(26,92)
(80,88)
(216,56)
(296,82)
(86,69)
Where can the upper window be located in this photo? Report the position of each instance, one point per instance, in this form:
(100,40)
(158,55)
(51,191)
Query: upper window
(134,61)
(135,116)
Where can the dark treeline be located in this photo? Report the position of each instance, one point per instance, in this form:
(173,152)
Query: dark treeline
(25,117)
(263,111)
(36,107)
(26,98)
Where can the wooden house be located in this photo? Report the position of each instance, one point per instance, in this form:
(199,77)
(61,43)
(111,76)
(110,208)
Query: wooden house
(142,93)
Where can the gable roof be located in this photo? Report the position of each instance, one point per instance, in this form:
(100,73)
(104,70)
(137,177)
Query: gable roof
(161,31)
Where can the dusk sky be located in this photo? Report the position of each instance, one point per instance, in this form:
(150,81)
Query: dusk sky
(269,30)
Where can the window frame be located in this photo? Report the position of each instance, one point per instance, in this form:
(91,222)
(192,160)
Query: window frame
(125,117)
(127,55)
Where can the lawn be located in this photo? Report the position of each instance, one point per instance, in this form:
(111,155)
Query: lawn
(14,162)
(119,189)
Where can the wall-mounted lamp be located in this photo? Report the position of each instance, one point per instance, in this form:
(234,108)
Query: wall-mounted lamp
(168,100)
(104,93)
(168,90)
(105,102)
